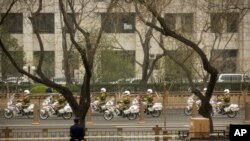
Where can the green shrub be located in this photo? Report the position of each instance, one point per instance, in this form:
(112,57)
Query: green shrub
(38,88)
(159,87)
(75,88)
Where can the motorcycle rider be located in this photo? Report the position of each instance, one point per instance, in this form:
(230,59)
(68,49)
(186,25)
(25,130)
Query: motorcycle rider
(149,98)
(55,97)
(125,102)
(102,98)
(194,99)
(61,103)
(225,100)
(26,99)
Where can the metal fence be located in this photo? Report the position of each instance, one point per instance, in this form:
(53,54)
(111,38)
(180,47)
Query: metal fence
(174,100)
(105,134)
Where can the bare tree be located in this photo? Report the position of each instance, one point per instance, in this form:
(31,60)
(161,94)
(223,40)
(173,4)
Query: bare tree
(223,26)
(147,66)
(164,29)
(86,48)
(155,9)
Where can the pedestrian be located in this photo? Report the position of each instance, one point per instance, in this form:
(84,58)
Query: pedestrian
(77,131)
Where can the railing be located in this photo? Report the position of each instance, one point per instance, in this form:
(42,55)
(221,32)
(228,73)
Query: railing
(171,101)
(175,99)
(138,133)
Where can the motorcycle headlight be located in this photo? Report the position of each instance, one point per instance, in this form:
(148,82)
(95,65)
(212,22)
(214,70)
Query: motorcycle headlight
(7,110)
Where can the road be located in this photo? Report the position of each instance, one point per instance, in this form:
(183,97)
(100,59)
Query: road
(175,118)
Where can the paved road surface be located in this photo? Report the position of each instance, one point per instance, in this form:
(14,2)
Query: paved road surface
(174,118)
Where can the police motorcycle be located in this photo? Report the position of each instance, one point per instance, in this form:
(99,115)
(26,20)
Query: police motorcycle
(194,99)
(156,109)
(131,113)
(48,109)
(191,100)
(95,105)
(15,109)
(49,100)
(231,110)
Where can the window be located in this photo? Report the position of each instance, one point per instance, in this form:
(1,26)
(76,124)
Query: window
(118,22)
(225,78)
(217,23)
(70,20)
(236,78)
(232,22)
(226,53)
(232,77)
(187,22)
(13,22)
(225,60)
(44,23)
(7,69)
(224,22)
(180,21)
(225,5)
(170,21)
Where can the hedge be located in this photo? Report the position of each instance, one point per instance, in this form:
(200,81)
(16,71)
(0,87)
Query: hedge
(38,88)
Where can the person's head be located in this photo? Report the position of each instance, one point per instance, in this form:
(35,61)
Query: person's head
(26,92)
(103,90)
(127,93)
(226,91)
(76,120)
(149,91)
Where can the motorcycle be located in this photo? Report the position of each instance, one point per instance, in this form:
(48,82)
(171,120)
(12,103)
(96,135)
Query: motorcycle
(231,110)
(154,110)
(189,107)
(101,108)
(131,113)
(49,100)
(14,109)
(49,111)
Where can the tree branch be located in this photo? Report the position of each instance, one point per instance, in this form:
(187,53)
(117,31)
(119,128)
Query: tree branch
(8,11)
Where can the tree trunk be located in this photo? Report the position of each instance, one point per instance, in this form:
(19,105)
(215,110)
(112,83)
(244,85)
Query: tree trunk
(206,110)
(66,65)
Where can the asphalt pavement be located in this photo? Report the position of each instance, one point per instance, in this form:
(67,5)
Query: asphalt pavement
(174,118)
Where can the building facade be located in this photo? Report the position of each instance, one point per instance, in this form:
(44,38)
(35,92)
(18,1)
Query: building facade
(220,32)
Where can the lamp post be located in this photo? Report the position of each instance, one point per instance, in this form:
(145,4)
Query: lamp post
(29,68)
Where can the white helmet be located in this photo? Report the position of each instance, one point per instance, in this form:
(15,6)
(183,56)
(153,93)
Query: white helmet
(26,92)
(226,91)
(103,90)
(150,91)
(205,89)
(127,92)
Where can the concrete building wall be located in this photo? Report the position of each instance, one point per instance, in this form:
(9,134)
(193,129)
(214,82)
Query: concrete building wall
(131,41)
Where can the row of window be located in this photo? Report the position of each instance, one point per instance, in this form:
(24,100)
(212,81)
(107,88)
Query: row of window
(44,22)
(225,61)
(125,22)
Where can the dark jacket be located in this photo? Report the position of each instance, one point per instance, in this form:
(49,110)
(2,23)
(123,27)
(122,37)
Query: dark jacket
(76,132)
